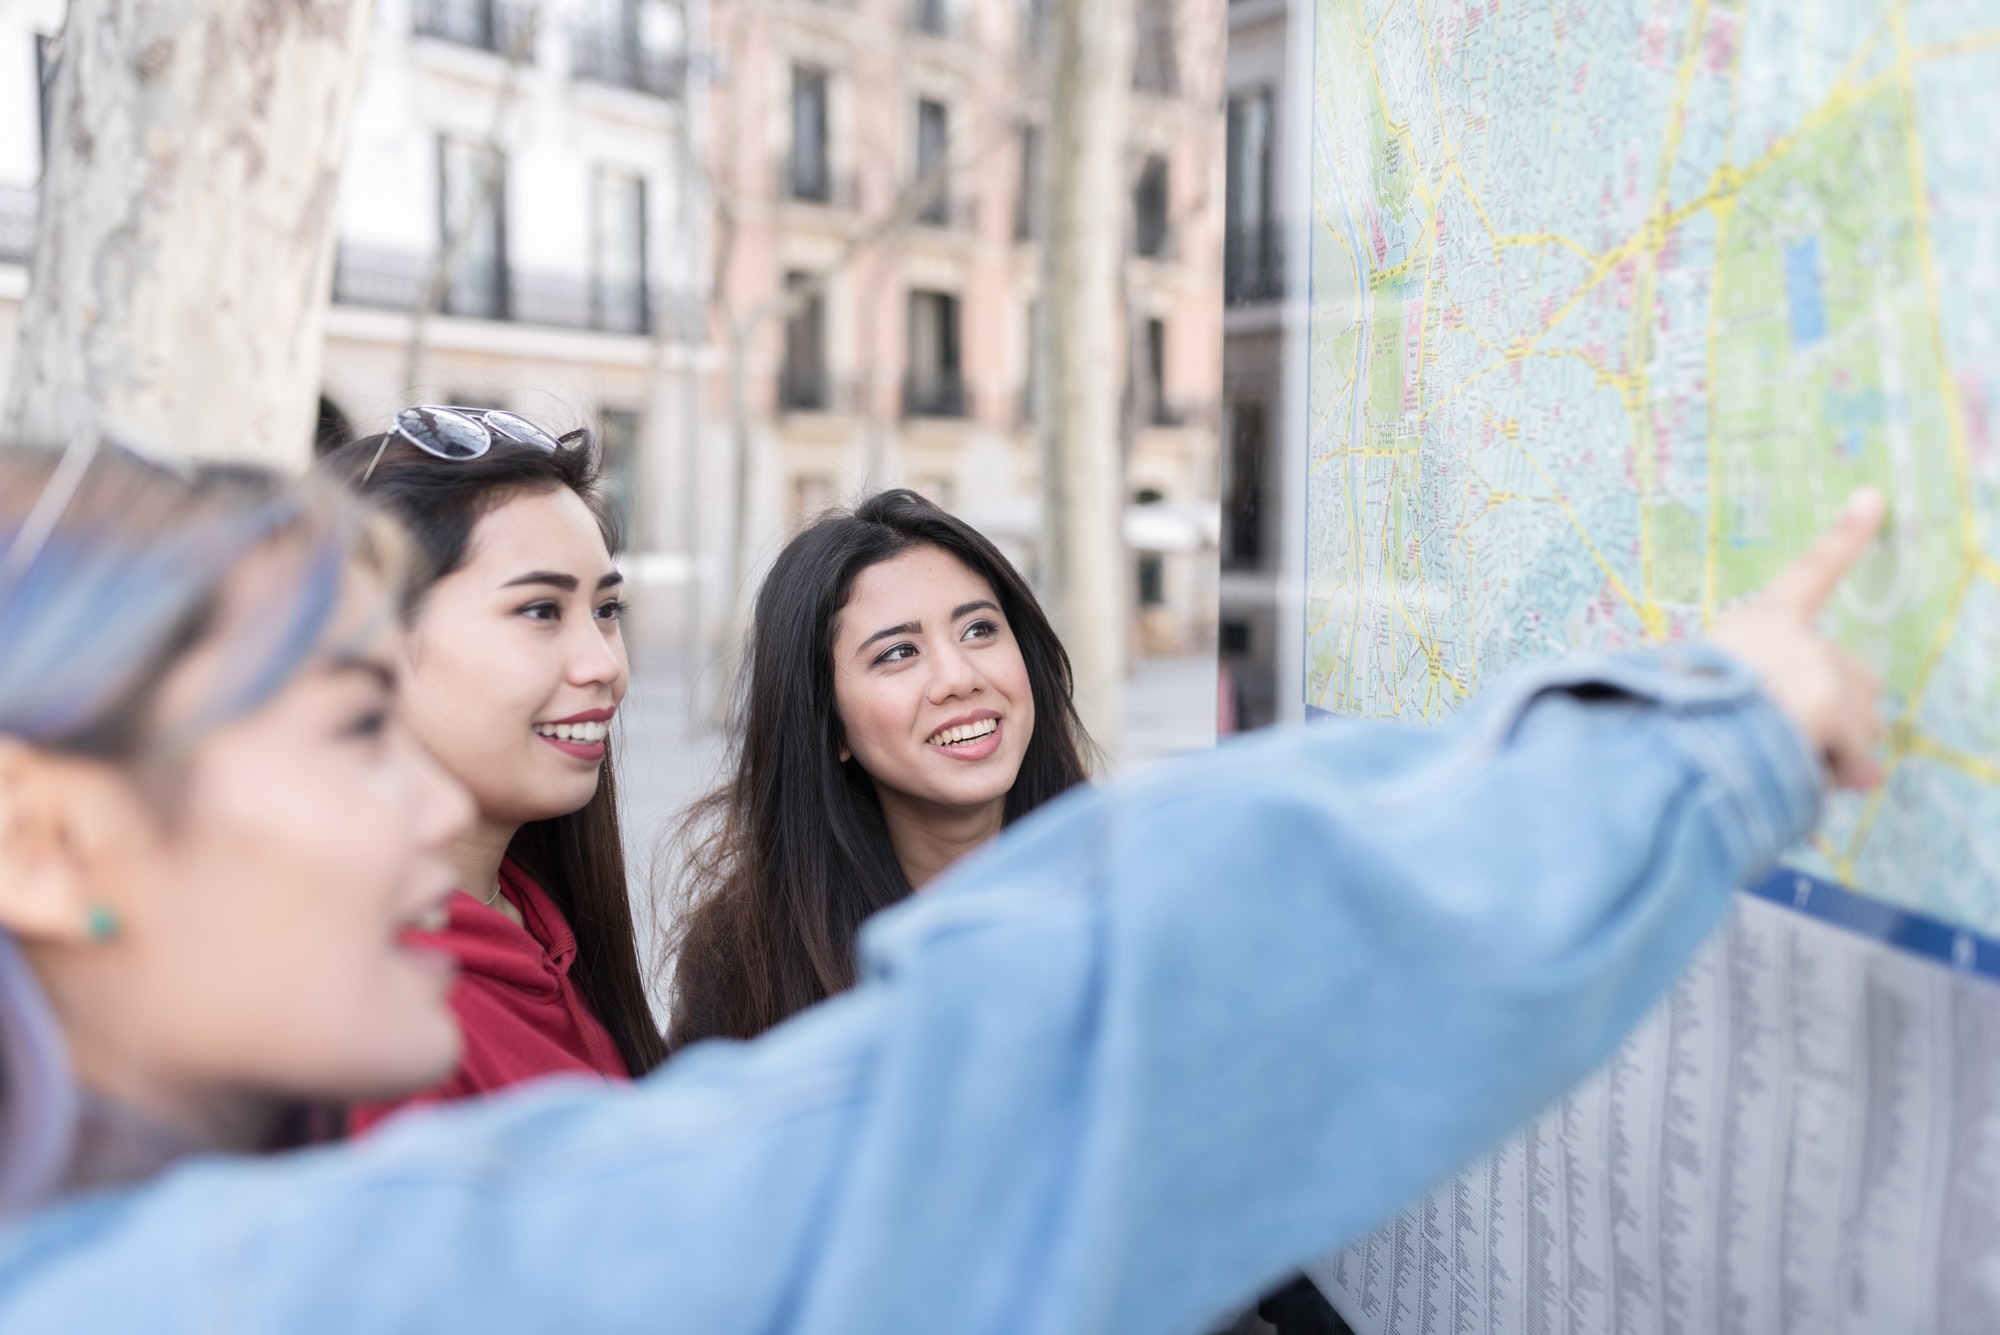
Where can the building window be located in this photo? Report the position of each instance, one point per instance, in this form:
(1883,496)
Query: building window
(811,174)
(1155,64)
(1035,17)
(634,44)
(1252,267)
(472,228)
(1030,200)
(1149,209)
(1152,566)
(488,24)
(931,16)
(1031,365)
(933,385)
(802,381)
(933,133)
(1243,510)
(618,281)
(618,447)
(1154,405)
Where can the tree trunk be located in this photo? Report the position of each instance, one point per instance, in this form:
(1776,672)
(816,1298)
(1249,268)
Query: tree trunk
(188,211)
(1083,555)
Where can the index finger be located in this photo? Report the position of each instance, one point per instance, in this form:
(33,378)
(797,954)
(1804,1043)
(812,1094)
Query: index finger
(1808,582)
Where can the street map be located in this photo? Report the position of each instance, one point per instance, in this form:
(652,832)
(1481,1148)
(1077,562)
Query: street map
(1613,302)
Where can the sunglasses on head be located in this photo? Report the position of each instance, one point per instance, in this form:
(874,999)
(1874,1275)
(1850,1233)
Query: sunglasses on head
(455,434)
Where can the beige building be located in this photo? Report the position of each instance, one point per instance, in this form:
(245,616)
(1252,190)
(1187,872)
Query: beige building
(852,188)
(878,200)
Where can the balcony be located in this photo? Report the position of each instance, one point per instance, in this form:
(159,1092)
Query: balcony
(610,54)
(804,180)
(392,281)
(811,389)
(941,394)
(17,224)
(1253,265)
(490,25)
(952,212)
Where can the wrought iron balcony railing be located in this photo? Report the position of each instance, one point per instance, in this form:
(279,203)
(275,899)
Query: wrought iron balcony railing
(491,25)
(939,395)
(611,54)
(393,281)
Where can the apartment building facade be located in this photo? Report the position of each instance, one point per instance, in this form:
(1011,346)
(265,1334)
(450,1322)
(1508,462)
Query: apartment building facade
(513,174)
(1259,499)
(878,175)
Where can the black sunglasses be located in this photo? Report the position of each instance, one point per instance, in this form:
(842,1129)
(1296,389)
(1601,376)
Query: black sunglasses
(455,434)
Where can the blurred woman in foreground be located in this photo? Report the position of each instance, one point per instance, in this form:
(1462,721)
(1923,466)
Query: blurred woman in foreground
(904,699)
(1031,1112)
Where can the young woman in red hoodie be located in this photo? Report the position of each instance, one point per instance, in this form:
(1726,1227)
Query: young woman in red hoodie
(516,669)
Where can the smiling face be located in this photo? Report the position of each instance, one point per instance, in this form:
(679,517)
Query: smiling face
(933,694)
(516,662)
(261,952)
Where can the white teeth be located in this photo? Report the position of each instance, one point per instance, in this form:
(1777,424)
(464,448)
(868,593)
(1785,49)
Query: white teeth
(964,732)
(575,732)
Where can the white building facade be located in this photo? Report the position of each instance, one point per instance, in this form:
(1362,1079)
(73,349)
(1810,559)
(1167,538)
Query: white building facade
(513,170)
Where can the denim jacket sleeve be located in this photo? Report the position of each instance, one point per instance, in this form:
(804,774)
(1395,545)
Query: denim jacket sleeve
(1154,1047)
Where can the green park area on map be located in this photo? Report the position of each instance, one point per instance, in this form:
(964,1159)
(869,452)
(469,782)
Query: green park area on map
(1612,306)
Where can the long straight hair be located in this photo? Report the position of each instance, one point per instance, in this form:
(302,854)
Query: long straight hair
(579,858)
(787,858)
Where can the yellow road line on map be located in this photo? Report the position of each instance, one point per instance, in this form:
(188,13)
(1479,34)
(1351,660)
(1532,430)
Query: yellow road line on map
(1971,766)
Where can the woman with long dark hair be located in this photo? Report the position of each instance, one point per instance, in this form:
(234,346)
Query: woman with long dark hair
(516,669)
(904,699)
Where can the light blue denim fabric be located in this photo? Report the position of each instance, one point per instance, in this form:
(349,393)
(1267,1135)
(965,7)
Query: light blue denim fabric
(1150,1051)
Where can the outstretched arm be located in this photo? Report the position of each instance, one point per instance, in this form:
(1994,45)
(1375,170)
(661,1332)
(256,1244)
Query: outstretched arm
(1157,1045)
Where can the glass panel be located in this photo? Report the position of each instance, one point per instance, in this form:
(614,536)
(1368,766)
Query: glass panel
(618,442)
(1028,202)
(810,176)
(1149,209)
(619,219)
(803,381)
(933,129)
(472,228)
(1250,261)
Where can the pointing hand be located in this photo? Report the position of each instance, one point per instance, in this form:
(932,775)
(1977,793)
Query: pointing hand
(1829,693)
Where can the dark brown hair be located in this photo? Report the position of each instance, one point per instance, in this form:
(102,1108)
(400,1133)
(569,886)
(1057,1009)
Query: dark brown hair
(786,859)
(579,859)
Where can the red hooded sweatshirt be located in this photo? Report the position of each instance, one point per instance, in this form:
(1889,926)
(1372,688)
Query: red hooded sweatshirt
(521,1013)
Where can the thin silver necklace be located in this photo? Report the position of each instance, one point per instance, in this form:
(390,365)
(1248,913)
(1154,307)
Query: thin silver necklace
(488,901)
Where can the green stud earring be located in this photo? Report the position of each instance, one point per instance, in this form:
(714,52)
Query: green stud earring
(102,923)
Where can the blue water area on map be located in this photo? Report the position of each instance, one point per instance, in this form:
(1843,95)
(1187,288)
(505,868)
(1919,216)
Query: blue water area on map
(1802,291)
